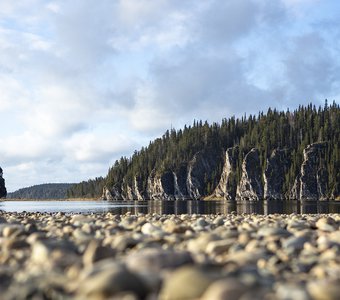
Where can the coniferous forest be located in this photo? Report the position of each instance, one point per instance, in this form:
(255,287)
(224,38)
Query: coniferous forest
(266,131)
(42,191)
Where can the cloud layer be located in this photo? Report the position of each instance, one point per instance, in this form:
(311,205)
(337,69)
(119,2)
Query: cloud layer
(83,82)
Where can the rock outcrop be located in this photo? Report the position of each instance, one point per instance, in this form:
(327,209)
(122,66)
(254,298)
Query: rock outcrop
(314,177)
(189,180)
(3,191)
(274,175)
(111,194)
(250,187)
(134,192)
(226,188)
(161,186)
(295,191)
(200,167)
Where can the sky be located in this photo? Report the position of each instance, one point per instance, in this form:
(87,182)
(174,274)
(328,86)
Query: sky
(84,82)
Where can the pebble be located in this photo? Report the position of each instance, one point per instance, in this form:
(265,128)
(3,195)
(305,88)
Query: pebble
(324,289)
(296,243)
(95,252)
(327,224)
(185,283)
(218,247)
(111,282)
(225,289)
(291,291)
(155,260)
(153,256)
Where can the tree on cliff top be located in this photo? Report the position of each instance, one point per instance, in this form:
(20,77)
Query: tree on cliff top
(266,132)
(3,191)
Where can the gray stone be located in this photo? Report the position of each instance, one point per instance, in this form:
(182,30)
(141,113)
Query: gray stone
(296,243)
(185,283)
(326,224)
(225,289)
(324,289)
(96,252)
(110,282)
(157,259)
(218,247)
(272,231)
(289,291)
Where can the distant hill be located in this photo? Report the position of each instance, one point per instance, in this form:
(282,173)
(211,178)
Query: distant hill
(42,191)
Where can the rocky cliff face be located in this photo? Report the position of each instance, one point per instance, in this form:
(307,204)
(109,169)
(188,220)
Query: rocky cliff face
(295,191)
(3,191)
(185,183)
(188,181)
(133,192)
(250,187)
(227,185)
(274,175)
(161,186)
(312,181)
(201,166)
(111,194)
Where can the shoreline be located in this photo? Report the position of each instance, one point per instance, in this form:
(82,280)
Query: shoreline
(337,200)
(151,256)
(35,199)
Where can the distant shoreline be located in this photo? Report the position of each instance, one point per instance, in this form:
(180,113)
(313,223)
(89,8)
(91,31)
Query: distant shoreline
(35,199)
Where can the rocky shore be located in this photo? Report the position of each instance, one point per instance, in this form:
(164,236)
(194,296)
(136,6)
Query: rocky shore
(107,256)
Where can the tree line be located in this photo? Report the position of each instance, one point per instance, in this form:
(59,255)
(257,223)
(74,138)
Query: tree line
(291,130)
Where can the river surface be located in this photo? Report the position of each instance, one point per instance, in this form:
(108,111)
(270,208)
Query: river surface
(171,207)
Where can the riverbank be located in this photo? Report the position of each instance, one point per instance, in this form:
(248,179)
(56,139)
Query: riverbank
(61,199)
(101,256)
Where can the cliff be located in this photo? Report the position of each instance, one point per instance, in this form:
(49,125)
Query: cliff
(227,185)
(201,161)
(274,175)
(187,182)
(250,187)
(311,183)
(3,191)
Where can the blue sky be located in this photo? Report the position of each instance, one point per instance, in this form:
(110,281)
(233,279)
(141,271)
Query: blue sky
(84,82)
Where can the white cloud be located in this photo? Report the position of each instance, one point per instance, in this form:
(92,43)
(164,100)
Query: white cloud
(94,146)
(83,82)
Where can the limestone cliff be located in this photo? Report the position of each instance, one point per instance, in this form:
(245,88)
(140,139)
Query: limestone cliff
(161,186)
(3,191)
(111,194)
(250,187)
(200,167)
(313,180)
(133,192)
(227,185)
(295,191)
(189,180)
(274,175)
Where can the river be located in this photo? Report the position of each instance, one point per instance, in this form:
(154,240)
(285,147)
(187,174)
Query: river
(171,207)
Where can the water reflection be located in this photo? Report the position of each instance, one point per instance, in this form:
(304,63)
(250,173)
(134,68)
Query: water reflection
(223,207)
(173,207)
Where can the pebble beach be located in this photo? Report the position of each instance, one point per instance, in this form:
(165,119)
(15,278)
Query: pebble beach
(151,256)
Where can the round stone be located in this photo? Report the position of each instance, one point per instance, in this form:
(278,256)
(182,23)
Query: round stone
(224,289)
(185,283)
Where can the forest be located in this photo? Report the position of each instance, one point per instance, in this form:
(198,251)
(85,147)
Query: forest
(42,191)
(266,131)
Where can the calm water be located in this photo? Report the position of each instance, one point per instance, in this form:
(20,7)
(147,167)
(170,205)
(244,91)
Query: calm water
(171,207)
